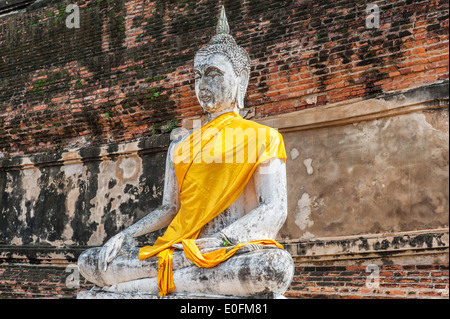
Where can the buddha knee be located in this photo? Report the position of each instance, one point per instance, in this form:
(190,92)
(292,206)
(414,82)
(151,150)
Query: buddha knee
(257,273)
(261,272)
(88,266)
(271,272)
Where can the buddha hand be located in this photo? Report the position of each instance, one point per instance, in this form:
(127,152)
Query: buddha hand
(118,243)
(204,243)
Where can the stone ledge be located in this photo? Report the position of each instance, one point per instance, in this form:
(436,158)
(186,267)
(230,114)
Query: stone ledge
(98,294)
(40,254)
(370,246)
(434,96)
(91,153)
(367,246)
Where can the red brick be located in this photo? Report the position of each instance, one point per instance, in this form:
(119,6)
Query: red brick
(395,292)
(419,68)
(419,50)
(394,74)
(430,293)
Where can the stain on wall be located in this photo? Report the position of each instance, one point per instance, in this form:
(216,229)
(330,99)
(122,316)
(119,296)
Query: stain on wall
(80,196)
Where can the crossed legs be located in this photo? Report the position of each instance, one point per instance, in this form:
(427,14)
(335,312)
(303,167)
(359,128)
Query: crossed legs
(254,273)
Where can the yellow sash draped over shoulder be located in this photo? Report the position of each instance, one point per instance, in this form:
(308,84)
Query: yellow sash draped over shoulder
(212,166)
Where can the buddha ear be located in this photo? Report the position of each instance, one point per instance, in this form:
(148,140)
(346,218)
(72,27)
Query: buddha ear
(242,89)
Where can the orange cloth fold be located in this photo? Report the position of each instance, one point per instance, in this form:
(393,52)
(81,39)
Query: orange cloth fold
(212,166)
(165,272)
(216,257)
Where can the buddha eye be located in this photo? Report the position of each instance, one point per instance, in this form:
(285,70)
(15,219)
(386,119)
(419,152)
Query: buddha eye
(214,74)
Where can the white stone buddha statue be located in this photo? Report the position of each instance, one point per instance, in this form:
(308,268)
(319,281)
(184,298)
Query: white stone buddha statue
(221,77)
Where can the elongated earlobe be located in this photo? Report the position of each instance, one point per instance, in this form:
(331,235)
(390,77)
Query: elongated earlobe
(242,89)
(240,97)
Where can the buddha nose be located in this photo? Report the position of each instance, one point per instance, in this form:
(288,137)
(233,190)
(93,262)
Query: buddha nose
(202,84)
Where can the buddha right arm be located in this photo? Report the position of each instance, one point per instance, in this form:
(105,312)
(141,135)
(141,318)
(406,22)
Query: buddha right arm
(164,214)
(155,220)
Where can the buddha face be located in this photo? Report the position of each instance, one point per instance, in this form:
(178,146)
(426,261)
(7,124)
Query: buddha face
(216,84)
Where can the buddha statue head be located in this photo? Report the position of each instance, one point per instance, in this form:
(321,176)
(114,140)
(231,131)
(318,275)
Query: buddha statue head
(222,71)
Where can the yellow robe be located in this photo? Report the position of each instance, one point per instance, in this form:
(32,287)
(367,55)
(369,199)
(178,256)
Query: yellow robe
(212,166)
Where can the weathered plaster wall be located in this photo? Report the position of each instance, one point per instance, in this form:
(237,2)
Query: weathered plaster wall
(385,175)
(82,196)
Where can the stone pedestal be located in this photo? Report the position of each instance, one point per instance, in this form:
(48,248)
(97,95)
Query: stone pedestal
(96,293)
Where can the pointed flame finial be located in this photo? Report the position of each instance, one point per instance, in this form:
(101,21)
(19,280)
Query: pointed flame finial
(222,25)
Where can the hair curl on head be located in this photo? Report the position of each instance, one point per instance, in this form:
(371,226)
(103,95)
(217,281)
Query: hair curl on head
(226,45)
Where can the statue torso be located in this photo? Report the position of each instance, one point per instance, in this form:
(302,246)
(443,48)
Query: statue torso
(244,204)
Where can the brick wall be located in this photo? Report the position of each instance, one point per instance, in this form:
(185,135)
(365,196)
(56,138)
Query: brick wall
(126,72)
(324,282)
(350,282)
(38,281)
